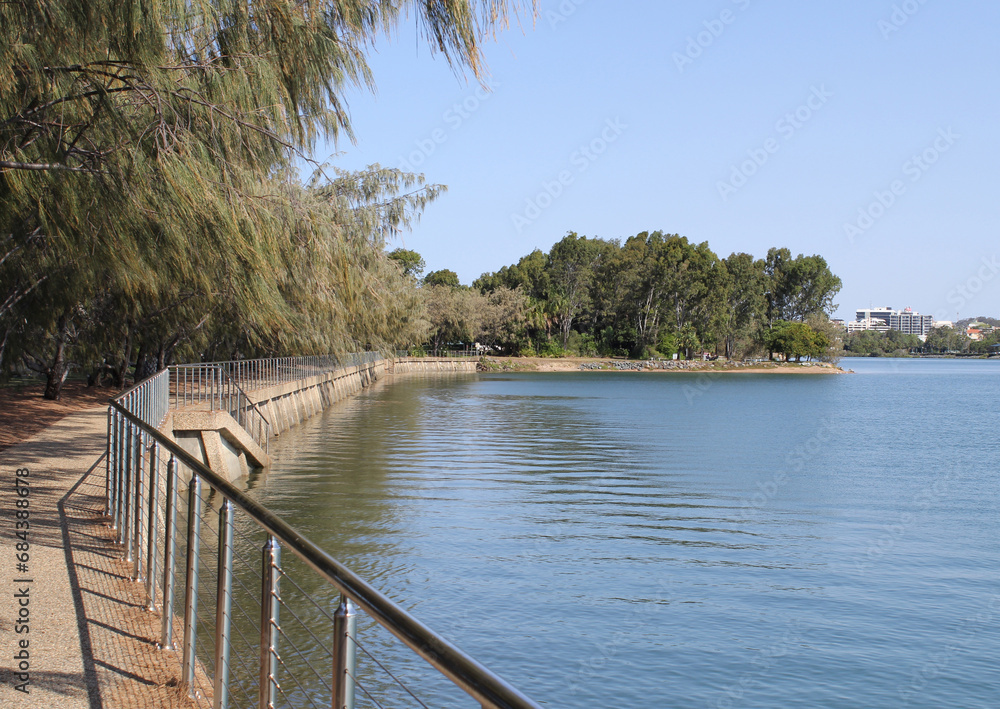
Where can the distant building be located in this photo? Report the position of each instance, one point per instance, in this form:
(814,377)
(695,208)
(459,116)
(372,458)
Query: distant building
(883,319)
(867,324)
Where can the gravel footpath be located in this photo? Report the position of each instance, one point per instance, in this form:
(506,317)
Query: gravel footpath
(91,643)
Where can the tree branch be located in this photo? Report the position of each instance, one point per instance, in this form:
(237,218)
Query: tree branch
(9,165)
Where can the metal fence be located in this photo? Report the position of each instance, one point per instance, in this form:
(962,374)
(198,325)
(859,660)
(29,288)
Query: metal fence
(252,374)
(450,354)
(149,402)
(194,385)
(255,628)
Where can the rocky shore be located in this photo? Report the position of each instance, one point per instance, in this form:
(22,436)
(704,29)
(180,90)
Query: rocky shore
(591,364)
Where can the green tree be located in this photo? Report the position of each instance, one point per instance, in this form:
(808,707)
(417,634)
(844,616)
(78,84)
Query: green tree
(944,340)
(504,319)
(798,287)
(152,148)
(411,262)
(797,340)
(571,267)
(455,315)
(744,305)
(444,277)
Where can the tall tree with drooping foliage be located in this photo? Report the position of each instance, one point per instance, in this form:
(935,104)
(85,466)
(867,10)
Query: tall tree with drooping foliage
(152,145)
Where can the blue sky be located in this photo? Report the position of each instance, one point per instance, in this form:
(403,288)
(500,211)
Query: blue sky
(866,132)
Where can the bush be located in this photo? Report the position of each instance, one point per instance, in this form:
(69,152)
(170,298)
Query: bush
(550,348)
(582,345)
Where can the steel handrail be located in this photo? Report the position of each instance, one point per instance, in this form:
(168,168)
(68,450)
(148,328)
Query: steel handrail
(231,380)
(472,677)
(224,394)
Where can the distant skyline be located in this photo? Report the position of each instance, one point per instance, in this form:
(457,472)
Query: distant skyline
(865,132)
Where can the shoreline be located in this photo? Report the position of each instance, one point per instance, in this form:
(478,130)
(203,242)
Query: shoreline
(605,364)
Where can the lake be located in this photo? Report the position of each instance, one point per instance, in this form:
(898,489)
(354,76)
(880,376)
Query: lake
(674,540)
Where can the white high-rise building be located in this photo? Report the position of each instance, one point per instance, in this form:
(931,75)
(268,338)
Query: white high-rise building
(882,319)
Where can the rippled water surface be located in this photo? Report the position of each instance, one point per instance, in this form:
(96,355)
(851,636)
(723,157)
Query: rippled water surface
(675,540)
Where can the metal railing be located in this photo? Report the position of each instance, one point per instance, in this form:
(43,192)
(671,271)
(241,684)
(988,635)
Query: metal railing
(149,401)
(213,387)
(449,354)
(252,374)
(254,630)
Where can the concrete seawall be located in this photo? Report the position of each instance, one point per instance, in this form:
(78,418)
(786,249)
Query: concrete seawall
(290,403)
(422,364)
(217,440)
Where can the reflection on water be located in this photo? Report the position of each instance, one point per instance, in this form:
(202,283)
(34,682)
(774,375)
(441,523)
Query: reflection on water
(655,540)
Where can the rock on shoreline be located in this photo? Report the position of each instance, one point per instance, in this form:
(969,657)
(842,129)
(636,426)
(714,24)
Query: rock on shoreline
(591,364)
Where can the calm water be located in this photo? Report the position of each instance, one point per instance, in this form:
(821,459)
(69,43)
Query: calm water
(657,540)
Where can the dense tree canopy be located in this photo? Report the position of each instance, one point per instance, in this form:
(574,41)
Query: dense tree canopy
(149,201)
(660,293)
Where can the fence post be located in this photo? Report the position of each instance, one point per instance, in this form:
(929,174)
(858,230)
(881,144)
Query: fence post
(137,507)
(109,465)
(169,524)
(124,532)
(153,518)
(116,520)
(224,606)
(191,582)
(345,623)
(269,597)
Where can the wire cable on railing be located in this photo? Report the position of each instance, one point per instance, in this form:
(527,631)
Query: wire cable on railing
(319,642)
(250,566)
(306,594)
(254,544)
(200,691)
(252,701)
(385,669)
(248,669)
(250,592)
(289,673)
(359,685)
(305,659)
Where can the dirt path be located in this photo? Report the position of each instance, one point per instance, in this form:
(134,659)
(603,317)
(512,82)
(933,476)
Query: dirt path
(92,644)
(23,411)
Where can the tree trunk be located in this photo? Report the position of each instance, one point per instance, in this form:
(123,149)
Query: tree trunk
(3,346)
(567,326)
(121,368)
(59,369)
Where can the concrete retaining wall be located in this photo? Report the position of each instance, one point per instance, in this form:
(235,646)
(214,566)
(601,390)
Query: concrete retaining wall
(290,403)
(217,440)
(423,364)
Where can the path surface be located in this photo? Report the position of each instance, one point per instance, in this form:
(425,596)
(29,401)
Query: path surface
(92,644)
